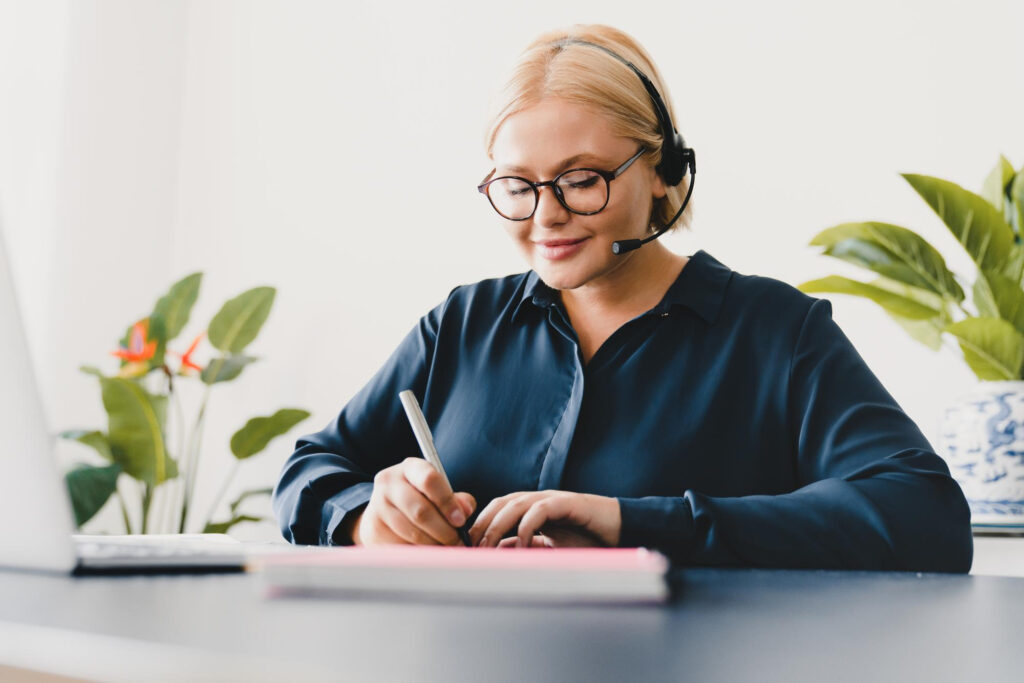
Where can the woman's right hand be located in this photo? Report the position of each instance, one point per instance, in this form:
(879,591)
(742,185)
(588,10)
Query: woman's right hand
(412,504)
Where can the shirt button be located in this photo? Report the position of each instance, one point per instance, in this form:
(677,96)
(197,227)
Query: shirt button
(664,315)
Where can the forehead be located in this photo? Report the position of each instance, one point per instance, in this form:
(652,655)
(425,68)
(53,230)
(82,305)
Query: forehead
(551,135)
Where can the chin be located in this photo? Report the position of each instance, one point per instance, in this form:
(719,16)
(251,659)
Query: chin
(560,277)
(556,282)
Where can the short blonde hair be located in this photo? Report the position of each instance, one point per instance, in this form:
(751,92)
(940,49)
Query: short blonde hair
(593,78)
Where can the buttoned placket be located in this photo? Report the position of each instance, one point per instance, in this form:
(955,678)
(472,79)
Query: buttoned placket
(558,450)
(553,464)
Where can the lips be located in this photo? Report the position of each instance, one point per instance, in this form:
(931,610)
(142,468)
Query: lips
(559,243)
(554,250)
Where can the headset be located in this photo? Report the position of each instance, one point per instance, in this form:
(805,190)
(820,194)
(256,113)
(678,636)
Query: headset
(676,157)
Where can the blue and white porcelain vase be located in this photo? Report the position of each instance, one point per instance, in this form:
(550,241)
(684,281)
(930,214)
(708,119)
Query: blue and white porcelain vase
(981,437)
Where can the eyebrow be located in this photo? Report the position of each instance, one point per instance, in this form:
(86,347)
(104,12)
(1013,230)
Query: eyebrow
(567,163)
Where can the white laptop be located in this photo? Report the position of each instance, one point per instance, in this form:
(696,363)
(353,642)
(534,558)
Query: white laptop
(36,521)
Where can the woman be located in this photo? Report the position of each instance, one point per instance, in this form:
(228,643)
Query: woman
(624,395)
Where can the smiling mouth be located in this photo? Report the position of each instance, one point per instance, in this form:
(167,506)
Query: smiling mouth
(559,243)
(559,249)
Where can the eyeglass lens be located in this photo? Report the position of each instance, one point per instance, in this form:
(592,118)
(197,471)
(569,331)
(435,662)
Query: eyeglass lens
(582,191)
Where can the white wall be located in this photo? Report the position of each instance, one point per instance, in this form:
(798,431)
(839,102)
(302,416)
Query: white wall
(259,142)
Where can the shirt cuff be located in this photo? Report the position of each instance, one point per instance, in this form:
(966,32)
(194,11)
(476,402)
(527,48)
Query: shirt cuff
(658,522)
(337,508)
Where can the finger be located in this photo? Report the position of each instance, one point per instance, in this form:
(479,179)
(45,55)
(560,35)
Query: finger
(476,532)
(400,526)
(537,541)
(540,513)
(428,481)
(467,502)
(373,530)
(507,518)
(483,520)
(542,541)
(422,513)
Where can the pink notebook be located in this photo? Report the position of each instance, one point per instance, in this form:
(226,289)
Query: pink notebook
(506,574)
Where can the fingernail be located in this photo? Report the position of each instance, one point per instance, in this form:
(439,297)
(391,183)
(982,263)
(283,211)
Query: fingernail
(458,519)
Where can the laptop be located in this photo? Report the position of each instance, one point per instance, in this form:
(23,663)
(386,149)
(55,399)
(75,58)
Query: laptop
(36,519)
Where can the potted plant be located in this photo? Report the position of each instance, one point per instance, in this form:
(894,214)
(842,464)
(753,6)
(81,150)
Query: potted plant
(981,435)
(149,446)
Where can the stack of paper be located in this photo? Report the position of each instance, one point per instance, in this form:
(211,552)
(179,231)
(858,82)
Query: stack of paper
(505,574)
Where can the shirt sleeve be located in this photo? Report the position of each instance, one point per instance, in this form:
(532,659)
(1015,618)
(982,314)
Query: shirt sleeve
(873,493)
(330,474)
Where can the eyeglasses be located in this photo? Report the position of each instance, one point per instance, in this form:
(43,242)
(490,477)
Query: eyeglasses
(582,191)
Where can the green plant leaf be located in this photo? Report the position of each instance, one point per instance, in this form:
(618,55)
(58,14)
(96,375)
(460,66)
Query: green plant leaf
(225,369)
(894,303)
(246,494)
(921,296)
(1014,268)
(997,183)
(175,307)
(90,488)
(90,370)
(95,440)
(158,331)
(136,430)
(874,257)
(222,527)
(928,332)
(985,298)
(240,319)
(892,251)
(975,223)
(1017,202)
(998,296)
(992,347)
(257,432)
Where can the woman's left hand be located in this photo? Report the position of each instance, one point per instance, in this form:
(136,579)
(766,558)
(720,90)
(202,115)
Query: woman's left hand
(565,519)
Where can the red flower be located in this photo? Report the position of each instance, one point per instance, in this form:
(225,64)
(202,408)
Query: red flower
(186,358)
(138,349)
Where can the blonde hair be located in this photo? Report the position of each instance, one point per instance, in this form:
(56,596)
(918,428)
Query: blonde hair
(593,78)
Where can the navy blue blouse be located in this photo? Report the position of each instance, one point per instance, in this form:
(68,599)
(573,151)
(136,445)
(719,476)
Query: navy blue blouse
(735,423)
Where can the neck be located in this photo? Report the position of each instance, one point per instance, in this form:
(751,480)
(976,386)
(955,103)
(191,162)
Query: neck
(635,285)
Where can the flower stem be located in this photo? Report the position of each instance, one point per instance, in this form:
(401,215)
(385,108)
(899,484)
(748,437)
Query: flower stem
(193,457)
(124,512)
(174,490)
(166,507)
(147,498)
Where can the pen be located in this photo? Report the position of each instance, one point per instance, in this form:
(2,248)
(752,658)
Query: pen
(426,442)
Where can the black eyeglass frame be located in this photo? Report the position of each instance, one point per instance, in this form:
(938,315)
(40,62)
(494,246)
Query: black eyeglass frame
(608,176)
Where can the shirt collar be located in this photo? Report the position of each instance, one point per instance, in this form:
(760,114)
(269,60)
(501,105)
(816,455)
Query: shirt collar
(700,287)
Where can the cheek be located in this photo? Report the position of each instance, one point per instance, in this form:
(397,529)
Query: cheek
(636,205)
(517,230)
(520,235)
(621,216)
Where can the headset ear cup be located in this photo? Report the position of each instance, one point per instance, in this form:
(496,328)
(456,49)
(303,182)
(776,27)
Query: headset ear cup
(672,166)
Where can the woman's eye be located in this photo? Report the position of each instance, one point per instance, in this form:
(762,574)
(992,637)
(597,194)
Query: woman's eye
(583,184)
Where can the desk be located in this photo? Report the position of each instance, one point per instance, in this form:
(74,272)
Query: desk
(998,555)
(727,625)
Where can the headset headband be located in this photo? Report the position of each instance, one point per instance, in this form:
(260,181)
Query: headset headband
(675,155)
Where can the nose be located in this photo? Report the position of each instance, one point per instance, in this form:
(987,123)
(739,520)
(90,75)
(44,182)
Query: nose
(550,211)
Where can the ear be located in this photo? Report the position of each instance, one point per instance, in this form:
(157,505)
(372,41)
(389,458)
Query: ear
(658,189)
